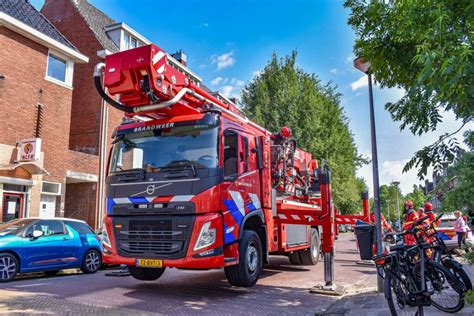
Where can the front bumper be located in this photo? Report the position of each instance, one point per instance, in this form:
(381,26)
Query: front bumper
(184,257)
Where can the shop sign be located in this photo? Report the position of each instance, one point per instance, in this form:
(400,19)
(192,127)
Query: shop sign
(30,149)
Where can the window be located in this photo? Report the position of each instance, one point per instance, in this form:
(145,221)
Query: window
(59,70)
(230,153)
(133,42)
(48,227)
(56,68)
(50,188)
(129,41)
(79,227)
(246,153)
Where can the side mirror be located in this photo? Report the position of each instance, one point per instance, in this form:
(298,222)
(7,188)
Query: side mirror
(37,233)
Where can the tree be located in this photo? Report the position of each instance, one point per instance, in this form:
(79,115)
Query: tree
(461,197)
(418,197)
(426,48)
(285,95)
(388,201)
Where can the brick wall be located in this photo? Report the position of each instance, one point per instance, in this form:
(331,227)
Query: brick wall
(80,202)
(23,63)
(86,105)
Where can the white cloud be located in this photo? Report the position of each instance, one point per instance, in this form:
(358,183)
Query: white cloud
(216,81)
(237,82)
(333,71)
(350,59)
(391,171)
(229,91)
(202,66)
(256,73)
(360,83)
(223,61)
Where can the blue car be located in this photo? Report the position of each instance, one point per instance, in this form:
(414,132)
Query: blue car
(47,245)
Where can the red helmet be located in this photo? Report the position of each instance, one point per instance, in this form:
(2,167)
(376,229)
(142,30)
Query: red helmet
(428,206)
(409,203)
(285,132)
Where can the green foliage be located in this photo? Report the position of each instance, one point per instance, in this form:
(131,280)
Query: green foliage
(469,257)
(461,197)
(285,95)
(426,48)
(470,297)
(417,197)
(388,202)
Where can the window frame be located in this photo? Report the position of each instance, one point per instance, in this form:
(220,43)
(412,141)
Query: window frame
(69,70)
(51,193)
(65,231)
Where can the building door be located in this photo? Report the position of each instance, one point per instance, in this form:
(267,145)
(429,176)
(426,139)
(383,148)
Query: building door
(12,206)
(47,206)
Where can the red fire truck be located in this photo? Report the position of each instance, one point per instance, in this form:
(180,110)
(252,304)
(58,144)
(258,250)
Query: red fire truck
(194,184)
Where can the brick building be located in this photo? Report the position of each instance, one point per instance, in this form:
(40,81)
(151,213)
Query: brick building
(39,173)
(96,35)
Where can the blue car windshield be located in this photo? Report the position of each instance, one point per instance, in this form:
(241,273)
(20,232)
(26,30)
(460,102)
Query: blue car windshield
(13,227)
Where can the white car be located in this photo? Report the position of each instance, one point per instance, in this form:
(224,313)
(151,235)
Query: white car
(446,231)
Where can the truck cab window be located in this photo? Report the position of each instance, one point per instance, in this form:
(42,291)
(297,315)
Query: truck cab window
(230,154)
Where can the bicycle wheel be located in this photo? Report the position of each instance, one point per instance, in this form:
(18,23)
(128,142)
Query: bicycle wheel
(447,290)
(398,297)
(458,271)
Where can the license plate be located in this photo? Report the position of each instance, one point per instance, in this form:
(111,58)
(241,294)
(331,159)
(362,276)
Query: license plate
(149,263)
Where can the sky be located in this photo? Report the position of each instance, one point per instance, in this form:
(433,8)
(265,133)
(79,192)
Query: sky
(228,42)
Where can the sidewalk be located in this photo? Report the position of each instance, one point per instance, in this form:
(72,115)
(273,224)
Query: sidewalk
(374,304)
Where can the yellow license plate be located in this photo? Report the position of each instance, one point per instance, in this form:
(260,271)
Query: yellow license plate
(150,263)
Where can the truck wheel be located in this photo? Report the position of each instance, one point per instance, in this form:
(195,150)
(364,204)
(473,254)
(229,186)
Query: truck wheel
(310,256)
(146,274)
(247,271)
(295,258)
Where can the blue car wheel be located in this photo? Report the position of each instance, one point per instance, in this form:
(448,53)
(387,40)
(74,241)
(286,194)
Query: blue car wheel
(8,267)
(91,262)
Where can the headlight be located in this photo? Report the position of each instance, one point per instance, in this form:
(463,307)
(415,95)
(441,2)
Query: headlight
(105,237)
(207,236)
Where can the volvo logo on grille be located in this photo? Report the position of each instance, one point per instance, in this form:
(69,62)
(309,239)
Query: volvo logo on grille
(150,189)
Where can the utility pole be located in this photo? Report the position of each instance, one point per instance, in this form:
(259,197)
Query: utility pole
(364,66)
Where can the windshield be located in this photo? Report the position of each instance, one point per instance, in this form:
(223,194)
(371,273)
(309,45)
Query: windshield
(13,227)
(193,146)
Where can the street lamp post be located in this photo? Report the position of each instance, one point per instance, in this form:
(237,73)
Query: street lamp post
(364,66)
(396,184)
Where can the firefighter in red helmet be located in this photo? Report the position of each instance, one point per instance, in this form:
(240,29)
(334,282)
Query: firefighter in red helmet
(429,211)
(410,217)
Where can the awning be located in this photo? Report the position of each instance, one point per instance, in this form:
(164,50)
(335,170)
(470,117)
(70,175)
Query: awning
(30,166)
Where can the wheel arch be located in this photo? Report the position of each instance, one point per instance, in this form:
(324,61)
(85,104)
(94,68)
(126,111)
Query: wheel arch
(15,254)
(256,221)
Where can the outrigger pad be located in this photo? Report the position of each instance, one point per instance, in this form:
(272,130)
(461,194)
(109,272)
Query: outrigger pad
(332,290)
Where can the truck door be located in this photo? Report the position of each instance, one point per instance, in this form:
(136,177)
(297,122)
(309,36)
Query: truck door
(241,181)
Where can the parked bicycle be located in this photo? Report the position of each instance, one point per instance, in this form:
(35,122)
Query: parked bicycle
(413,279)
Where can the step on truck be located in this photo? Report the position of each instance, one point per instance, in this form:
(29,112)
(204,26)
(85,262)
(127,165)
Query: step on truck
(194,184)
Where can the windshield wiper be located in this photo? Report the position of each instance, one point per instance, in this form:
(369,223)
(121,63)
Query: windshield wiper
(129,175)
(181,164)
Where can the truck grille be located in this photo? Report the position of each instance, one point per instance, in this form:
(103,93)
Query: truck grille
(158,236)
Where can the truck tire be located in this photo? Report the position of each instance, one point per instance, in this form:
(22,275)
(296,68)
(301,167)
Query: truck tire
(146,274)
(247,271)
(310,256)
